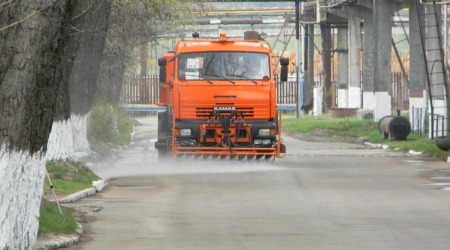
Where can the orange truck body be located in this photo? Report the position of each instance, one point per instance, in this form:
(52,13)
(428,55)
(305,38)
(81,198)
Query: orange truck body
(212,111)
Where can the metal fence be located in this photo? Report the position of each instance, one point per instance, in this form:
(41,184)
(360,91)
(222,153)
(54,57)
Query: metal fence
(287,91)
(420,123)
(137,90)
(145,90)
(438,129)
(140,90)
(419,120)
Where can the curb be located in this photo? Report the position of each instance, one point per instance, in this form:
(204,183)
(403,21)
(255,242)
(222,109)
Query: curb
(386,147)
(59,241)
(97,186)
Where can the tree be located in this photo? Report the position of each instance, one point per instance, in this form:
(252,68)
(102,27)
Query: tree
(134,24)
(50,51)
(33,36)
(82,61)
(130,23)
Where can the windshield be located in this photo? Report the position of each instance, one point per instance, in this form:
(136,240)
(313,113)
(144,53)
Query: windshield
(223,66)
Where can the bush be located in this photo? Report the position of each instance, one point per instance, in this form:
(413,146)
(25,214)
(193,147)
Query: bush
(103,124)
(108,127)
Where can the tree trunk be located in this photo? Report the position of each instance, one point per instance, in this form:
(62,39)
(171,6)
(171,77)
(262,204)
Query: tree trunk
(60,142)
(33,38)
(110,79)
(84,54)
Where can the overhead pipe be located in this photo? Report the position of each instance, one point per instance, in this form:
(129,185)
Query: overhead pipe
(443,2)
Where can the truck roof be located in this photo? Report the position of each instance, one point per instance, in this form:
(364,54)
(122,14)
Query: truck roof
(186,46)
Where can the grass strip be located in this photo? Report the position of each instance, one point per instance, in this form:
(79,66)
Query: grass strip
(353,127)
(52,221)
(67,177)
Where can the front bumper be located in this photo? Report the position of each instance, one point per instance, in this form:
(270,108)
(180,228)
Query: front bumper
(240,138)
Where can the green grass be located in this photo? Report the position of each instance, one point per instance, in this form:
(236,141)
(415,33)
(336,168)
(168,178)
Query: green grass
(325,126)
(67,177)
(108,128)
(66,187)
(417,143)
(353,127)
(52,221)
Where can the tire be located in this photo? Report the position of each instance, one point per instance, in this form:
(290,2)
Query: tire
(162,154)
(164,125)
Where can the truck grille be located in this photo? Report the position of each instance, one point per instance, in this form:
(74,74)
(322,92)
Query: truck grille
(205,112)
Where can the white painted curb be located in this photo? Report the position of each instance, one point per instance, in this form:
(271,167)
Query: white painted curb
(412,152)
(78,195)
(60,240)
(97,186)
(386,147)
(373,145)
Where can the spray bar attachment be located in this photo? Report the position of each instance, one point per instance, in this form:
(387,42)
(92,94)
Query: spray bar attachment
(226,120)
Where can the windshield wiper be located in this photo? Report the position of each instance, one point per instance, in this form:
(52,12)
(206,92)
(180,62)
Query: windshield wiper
(222,77)
(243,77)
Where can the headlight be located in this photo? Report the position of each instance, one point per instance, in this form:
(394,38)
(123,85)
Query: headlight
(266,141)
(262,142)
(185,132)
(264,131)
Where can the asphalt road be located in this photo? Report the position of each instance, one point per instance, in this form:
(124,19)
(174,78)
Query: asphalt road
(322,195)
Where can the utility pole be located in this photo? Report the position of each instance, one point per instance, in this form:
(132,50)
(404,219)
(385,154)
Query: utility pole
(298,62)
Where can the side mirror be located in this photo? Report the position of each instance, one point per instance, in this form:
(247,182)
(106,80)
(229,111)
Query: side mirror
(162,63)
(284,69)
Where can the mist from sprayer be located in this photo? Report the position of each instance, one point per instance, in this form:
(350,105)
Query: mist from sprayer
(141,159)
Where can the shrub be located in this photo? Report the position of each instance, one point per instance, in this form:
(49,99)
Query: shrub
(108,127)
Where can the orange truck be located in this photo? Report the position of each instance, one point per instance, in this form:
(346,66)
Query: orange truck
(220,99)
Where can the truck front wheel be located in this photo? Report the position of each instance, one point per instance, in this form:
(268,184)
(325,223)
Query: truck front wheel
(162,144)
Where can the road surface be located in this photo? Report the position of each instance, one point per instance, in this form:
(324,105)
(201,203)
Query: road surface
(320,196)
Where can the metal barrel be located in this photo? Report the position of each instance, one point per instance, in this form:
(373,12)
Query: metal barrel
(395,127)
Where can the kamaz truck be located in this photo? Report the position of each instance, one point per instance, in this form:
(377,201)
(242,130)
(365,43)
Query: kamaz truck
(220,99)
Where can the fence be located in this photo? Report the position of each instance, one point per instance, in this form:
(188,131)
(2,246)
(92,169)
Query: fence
(287,91)
(419,120)
(140,90)
(438,126)
(145,91)
(420,123)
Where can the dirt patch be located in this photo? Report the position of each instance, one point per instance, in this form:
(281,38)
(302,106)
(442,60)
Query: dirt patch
(85,215)
(323,135)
